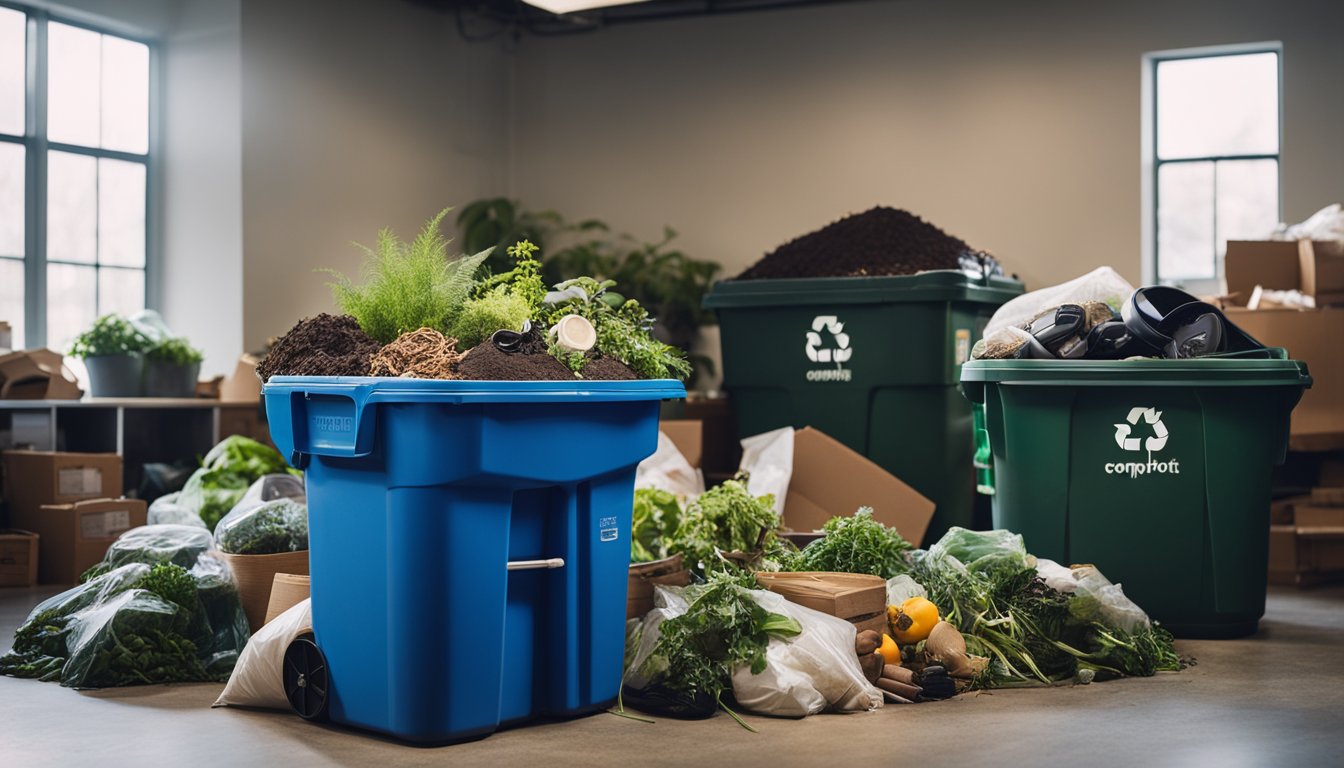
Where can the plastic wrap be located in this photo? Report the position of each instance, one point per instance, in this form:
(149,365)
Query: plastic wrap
(668,470)
(151,544)
(1102,284)
(167,510)
(272,517)
(257,680)
(225,474)
(812,672)
(980,550)
(1095,596)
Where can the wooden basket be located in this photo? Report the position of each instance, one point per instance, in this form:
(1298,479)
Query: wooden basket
(855,597)
(256,574)
(669,571)
(287,591)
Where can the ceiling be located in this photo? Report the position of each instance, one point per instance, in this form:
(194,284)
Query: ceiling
(488,19)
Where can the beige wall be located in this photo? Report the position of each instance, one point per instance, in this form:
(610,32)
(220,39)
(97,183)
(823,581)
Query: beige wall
(357,114)
(1014,125)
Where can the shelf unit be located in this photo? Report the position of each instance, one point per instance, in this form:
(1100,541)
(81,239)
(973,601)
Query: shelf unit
(141,430)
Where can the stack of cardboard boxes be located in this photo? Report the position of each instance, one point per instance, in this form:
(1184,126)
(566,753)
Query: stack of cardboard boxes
(71,501)
(1306,533)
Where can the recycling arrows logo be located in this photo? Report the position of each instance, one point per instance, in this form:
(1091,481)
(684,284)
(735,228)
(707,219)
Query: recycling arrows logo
(1153,418)
(819,354)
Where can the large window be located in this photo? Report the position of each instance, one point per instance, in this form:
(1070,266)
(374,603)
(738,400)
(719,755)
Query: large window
(1212,148)
(74,175)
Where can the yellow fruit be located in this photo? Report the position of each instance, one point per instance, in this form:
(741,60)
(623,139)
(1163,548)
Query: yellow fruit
(913,620)
(889,650)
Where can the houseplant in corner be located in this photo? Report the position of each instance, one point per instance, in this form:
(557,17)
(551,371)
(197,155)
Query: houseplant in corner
(113,352)
(171,369)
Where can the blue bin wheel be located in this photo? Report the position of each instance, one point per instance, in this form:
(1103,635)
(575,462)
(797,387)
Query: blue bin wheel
(306,678)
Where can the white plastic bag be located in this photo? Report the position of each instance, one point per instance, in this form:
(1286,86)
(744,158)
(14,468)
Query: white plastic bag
(902,588)
(258,677)
(1101,284)
(166,509)
(768,459)
(667,604)
(1325,224)
(668,470)
(814,671)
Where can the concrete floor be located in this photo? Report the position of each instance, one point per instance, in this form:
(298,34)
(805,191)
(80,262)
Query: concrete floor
(1276,699)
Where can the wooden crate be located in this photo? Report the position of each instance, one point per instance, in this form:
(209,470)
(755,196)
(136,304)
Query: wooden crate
(855,597)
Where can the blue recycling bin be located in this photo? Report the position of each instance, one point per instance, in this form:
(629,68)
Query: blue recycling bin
(469,543)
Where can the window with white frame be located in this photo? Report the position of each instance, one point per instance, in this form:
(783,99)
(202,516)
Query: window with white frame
(74,175)
(1213,142)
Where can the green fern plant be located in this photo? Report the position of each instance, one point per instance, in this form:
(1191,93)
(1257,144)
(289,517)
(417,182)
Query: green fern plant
(483,315)
(408,285)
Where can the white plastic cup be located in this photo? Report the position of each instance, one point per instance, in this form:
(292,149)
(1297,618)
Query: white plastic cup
(574,334)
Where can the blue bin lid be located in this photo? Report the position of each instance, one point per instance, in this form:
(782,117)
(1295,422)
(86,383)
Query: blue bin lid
(379,389)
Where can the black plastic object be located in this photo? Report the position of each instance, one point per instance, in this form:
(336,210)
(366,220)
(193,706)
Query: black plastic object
(936,684)
(509,341)
(1181,326)
(665,702)
(306,679)
(1114,341)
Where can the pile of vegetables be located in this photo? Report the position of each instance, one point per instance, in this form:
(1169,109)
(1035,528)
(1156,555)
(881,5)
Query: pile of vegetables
(724,529)
(271,518)
(984,610)
(225,474)
(154,613)
(411,286)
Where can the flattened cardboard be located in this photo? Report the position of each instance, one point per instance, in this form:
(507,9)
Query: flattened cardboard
(1311,335)
(74,537)
(688,436)
(831,479)
(18,558)
(35,478)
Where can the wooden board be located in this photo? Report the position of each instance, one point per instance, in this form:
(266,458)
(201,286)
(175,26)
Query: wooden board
(846,595)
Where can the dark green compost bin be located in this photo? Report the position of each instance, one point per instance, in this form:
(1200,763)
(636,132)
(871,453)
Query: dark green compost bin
(1156,471)
(870,361)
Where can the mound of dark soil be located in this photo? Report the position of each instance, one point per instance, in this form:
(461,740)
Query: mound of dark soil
(326,345)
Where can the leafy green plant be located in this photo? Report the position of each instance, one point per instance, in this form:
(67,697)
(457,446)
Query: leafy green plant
(654,522)
(727,518)
(177,351)
(723,629)
(493,310)
(623,330)
(110,335)
(857,544)
(668,283)
(408,286)
(275,526)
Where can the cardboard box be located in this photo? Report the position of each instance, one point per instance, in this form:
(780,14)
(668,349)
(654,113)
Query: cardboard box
(1311,335)
(74,537)
(18,558)
(35,478)
(831,479)
(1316,268)
(243,385)
(1312,516)
(1281,510)
(857,598)
(1305,557)
(688,436)
(1327,497)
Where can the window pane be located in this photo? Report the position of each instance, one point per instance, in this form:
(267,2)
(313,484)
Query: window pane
(1248,200)
(121,291)
(70,302)
(11,298)
(121,213)
(1218,105)
(13,52)
(1185,221)
(11,199)
(71,207)
(125,95)
(73,76)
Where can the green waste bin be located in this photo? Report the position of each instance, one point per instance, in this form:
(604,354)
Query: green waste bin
(1156,471)
(870,361)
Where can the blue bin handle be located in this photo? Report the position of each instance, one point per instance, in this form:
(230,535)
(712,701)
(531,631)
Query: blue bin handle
(329,420)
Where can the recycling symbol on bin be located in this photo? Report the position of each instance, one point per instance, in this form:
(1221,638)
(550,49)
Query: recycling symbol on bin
(1154,419)
(819,354)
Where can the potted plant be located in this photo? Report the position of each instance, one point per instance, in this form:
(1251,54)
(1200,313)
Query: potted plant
(171,369)
(113,353)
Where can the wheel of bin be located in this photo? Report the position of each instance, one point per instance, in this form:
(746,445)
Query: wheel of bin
(306,680)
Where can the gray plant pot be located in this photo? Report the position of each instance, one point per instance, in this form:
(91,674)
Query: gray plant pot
(114,375)
(165,379)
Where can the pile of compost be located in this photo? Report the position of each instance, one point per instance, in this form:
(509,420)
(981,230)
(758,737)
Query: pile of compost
(880,241)
(531,362)
(326,345)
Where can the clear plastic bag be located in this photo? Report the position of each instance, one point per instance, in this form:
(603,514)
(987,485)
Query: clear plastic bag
(1102,284)
(812,672)
(902,588)
(272,517)
(1095,597)
(978,551)
(135,636)
(222,607)
(167,510)
(257,680)
(151,544)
